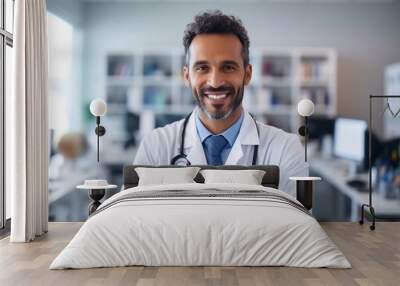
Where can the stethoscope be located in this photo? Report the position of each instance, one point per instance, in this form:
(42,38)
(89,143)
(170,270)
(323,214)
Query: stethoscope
(182,160)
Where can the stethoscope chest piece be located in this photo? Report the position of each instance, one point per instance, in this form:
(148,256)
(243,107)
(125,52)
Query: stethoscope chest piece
(180,160)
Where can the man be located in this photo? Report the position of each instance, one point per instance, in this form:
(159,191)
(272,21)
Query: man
(219,131)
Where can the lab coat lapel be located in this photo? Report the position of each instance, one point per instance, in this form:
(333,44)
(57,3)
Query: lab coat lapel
(236,153)
(247,136)
(193,147)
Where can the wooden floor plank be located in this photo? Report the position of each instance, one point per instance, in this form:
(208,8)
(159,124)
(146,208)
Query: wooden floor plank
(374,255)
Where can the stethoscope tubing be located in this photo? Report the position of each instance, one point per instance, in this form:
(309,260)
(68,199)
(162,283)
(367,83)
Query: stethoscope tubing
(183,156)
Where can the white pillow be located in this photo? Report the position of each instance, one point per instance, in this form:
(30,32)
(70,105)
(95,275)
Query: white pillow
(163,176)
(249,177)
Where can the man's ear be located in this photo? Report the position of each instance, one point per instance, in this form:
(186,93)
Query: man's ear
(248,71)
(186,77)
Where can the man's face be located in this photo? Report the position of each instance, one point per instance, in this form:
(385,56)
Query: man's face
(216,74)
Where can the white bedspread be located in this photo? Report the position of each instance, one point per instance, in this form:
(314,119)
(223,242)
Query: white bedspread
(177,231)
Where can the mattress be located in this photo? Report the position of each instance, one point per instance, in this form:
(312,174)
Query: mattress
(201,225)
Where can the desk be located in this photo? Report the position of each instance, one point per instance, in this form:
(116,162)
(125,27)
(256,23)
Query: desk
(116,155)
(332,172)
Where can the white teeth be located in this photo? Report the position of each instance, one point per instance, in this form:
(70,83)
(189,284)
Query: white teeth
(216,96)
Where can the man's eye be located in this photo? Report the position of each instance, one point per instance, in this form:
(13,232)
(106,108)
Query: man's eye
(201,68)
(229,68)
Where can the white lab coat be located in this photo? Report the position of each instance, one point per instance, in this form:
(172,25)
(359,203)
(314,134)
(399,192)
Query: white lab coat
(276,147)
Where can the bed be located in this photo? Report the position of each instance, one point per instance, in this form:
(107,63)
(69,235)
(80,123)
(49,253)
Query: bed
(201,224)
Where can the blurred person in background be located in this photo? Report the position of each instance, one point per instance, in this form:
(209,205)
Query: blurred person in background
(74,163)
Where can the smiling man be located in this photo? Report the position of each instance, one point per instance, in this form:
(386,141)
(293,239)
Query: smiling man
(219,131)
(217,73)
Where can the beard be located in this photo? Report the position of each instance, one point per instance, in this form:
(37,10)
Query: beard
(219,114)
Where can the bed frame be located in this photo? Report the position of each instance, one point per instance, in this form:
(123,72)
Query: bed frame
(270,179)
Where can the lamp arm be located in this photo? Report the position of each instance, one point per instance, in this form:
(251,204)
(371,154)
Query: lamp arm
(100,131)
(98,140)
(305,137)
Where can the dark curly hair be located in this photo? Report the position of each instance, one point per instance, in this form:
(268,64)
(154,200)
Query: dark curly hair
(216,22)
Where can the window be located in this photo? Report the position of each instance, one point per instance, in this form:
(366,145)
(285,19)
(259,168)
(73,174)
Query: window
(6,43)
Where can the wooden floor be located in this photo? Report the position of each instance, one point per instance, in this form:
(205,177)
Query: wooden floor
(374,255)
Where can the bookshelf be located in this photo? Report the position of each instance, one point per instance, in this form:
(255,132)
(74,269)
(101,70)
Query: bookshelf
(150,82)
(284,76)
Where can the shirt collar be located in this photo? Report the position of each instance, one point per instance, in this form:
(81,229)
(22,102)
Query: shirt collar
(230,134)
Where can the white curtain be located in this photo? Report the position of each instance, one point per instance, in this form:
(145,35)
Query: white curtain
(27,123)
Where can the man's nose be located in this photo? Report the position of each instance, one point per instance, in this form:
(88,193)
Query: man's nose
(215,79)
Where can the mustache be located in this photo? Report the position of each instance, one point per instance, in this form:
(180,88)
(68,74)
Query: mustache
(222,88)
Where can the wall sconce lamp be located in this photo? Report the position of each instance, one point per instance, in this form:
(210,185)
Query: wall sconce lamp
(305,108)
(98,108)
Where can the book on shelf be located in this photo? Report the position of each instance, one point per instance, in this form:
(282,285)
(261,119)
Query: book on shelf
(276,68)
(156,97)
(120,69)
(313,71)
(320,96)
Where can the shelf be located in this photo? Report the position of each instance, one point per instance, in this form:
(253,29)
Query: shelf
(313,83)
(276,81)
(119,80)
(314,58)
(156,80)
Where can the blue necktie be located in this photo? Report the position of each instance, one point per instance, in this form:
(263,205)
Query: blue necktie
(214,145)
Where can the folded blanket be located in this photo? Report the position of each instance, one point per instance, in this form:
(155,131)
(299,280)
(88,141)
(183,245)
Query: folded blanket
(205,193)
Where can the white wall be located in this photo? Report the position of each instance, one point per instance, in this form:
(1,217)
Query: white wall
(366,36)
(71,12)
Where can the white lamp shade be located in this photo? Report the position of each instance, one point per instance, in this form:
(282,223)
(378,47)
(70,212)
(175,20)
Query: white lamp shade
(305,107)
(98,107)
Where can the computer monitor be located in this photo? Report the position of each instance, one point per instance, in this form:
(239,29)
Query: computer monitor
(350,140)
(319,126)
